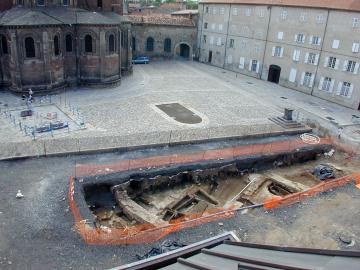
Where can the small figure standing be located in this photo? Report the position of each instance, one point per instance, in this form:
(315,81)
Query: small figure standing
(340,131)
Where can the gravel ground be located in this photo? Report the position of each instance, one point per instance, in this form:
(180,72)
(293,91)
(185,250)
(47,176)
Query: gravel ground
(36,232)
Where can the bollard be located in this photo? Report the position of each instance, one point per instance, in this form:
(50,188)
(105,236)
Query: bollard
(33,132)
(20,125)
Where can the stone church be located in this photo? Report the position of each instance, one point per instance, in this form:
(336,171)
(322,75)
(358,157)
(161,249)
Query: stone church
(51,44)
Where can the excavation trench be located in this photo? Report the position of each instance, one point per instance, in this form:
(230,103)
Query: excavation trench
(167,195)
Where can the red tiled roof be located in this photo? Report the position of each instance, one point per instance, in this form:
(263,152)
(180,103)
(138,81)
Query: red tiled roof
(350,5)
(161,19)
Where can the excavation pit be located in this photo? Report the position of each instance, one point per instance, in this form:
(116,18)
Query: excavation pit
(142,200)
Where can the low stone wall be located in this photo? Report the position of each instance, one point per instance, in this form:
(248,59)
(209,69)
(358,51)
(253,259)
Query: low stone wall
(73,145)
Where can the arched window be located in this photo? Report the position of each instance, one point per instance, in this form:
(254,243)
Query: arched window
(99,3)
(29,47)
(4,45)
(88,44)
(69,43)
(167,45)
(111,43)
(150,44)
(56,46)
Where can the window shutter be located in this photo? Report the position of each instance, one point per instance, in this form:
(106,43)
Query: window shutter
(310,40)
(321,83)
(312,80)
(250,64)
(297,55)
(273,51)
(292,76)
(337,64)
(306,58)
(281,52)
(257,67)
(346,62)
(302,78)
(319,41)
(336,44)
(339,88)
(332,86)
(230,59)
(326,61)
(280,35)
(242,62)
(351,91)
(355,47)
(356,70)
(316,59)
(294,55)
(295,38)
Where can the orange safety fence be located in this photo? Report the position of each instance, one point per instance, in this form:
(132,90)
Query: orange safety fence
(146,233)
(276,202)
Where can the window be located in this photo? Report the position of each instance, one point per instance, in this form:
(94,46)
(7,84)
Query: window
(350,66)
(99,4)
(218,43)
(214,10)
(303,17)
(205,25)
(167,45)
(355,47)
(229,59)
(242,63)
(206,9)
(220,27)
(248,12)
(20,2)
(300,38)
(243,44)
(292,75)
(204,38)
(222,11)
(278,51)
(261,13)
(213,26)
(211,40)
(29,47)
(355,22)
(283,15)
(311,58)
(280,35)
(111,43)
(327,84)
(68,43)
(88,44)
(257,48)
(232,43)
(235,12)
(40,2)
(320,19)
(296,55)
(335,44)
(332,62)
(56,46)
(4,45)
(345,89)
(307,79)
(150,44)
(254,66)
(315,40)
(65,2)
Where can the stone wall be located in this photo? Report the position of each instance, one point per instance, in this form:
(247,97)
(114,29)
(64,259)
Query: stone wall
(177,35)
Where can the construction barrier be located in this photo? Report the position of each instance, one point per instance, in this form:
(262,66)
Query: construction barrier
(276,202)
(146,233)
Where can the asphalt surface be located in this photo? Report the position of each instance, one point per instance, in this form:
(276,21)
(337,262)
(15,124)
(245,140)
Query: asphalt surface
(36,232)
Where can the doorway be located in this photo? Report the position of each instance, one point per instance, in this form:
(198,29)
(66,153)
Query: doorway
(184,50)
(210,57)
(274,74)
(359,107)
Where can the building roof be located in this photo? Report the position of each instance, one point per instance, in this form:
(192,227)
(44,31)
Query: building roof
(226,252)
(185,12)
(160,19)
(19,16)
(349,5)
